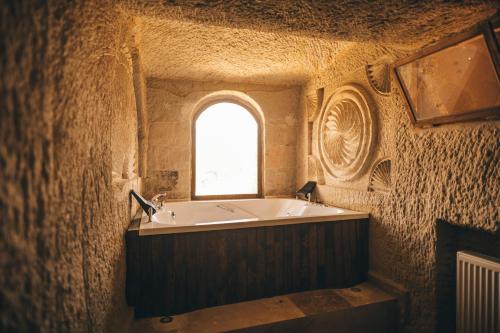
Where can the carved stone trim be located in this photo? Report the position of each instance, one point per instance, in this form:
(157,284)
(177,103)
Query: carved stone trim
(379,76)
(346,133)
(315,170)
(380,177)
(314,102)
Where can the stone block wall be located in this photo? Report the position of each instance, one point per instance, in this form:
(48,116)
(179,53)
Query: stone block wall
(171,107)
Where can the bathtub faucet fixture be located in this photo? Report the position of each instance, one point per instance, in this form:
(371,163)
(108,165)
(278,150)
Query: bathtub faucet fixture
(306,190)
(146,205)
(158,199)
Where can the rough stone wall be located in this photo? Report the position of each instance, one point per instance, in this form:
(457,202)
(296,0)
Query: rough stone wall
(65,78)
(140,100)
(170,106)
(449,172)
(65,82)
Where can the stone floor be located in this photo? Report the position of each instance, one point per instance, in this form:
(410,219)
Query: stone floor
(363,308)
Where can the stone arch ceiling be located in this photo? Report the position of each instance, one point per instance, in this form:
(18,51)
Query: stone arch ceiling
(285,42)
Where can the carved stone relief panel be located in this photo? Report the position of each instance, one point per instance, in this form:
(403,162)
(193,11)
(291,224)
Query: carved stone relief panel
(314,102)
(379,76)
(346,133)
(380,177)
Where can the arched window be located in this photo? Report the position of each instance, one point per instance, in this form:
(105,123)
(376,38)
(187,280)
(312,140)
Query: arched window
(226,152)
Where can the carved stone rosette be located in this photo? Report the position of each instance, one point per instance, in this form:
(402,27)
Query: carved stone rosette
(346,133)
(380,177)
(379,76)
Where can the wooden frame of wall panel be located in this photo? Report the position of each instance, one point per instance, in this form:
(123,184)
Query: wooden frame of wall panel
(260,150)
(486,29)
(494,44)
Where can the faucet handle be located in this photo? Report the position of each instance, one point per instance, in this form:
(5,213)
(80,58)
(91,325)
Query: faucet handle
(158,199)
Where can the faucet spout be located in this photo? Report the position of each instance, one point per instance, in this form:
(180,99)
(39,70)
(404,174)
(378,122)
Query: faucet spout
(146,205)
(306,190)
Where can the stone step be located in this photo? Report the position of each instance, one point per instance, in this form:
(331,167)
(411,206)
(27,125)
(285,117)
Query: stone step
(363,308)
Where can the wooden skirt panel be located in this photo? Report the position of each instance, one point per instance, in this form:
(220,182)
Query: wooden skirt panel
(176,273)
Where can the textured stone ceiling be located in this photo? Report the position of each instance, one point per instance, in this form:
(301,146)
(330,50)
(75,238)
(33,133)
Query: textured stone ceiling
(283,41)
(181,50)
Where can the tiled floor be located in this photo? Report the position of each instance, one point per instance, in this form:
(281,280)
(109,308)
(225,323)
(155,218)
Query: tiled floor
(361,309)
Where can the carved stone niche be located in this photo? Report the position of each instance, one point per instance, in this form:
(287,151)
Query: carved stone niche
(379,76)
(314,102)
(346,133)
(315,170)
(380,177)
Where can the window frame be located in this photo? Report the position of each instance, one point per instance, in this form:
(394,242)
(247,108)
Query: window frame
(255,114)
(486,30)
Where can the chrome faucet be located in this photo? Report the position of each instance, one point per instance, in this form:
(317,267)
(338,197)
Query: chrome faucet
(158,200)
(153,206)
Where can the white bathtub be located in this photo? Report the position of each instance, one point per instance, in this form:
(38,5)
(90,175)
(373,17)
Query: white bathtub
(193,216)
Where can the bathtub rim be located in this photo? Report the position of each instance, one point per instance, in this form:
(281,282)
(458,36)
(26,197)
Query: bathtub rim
(154,228)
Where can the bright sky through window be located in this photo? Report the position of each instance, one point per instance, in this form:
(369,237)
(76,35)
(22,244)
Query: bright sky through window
(226,151)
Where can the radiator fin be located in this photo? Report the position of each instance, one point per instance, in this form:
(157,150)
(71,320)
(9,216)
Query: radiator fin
(478,293)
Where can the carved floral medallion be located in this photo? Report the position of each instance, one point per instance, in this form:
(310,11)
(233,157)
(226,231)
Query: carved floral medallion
(346,132)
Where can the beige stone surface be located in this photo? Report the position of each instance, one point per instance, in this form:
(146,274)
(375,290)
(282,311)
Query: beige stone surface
(225,318)
(309,311)
(450,172)
(226,40)
(65,78)
(179,50)
(72,74)
(346,132)
(375,21)
(283,42)
(171,107)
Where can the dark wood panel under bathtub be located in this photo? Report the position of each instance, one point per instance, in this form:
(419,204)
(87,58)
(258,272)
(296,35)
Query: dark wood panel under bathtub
(176,273)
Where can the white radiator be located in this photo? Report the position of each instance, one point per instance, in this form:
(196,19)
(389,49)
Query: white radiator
(478,293)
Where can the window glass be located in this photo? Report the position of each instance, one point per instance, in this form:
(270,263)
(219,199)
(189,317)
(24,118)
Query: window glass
(226,151)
